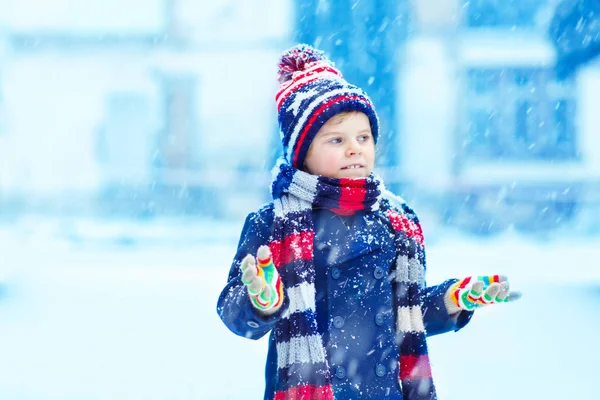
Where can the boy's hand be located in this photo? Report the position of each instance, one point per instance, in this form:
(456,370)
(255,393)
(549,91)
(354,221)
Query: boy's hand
(475,292)
(262,280)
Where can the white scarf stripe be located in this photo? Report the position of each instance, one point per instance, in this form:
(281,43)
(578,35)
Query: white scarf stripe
(288,204)
(278,208)
(302,298)
(308,111)
(304,186)
(410,319)
(410,270)
(300,349)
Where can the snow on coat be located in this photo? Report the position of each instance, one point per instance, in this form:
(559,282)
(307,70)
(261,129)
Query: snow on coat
(354,301)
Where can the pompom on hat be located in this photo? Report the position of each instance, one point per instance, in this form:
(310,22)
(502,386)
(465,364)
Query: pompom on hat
(312,91)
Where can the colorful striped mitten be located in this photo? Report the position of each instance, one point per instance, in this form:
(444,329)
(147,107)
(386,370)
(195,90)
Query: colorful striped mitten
(262,280)
(475,292)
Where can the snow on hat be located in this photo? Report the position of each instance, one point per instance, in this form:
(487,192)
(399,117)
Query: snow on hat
(312,91)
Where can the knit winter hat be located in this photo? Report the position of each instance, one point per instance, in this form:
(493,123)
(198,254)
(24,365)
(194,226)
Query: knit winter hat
(312,91)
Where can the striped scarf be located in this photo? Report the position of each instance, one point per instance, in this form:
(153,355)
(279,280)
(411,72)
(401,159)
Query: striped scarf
(303,371)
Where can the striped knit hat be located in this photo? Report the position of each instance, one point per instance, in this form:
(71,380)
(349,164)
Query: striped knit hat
(311,92)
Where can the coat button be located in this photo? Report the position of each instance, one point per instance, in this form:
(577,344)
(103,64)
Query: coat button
(378,273)
(340,372)
(379,319)
(335,272)
(252,324)
(380,370)
(338,322)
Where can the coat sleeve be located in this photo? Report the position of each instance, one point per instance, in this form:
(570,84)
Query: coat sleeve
(234,306)
(436,317)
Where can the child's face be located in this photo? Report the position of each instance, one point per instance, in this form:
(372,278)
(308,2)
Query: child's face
(343,148)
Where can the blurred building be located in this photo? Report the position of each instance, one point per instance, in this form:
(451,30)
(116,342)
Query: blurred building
(157,108)
(166,107)
(365,40)
(495,131)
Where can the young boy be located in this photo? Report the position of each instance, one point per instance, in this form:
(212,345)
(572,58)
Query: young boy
(339,273)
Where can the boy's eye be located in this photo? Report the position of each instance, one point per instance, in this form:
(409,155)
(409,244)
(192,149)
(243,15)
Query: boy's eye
(335,140)
(364,138)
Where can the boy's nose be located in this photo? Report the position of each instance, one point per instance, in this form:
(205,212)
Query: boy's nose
(353,148)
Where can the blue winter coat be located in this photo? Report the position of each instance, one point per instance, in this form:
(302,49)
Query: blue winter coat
(354,302)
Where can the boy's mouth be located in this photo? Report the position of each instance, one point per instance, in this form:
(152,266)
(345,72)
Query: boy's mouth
(353,166)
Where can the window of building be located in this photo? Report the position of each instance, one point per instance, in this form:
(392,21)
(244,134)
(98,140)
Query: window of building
(177,140)
(124,139)
(90,17)
(518,113)
(502,13)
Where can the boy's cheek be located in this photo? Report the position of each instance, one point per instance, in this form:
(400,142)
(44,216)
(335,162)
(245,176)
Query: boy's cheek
(332,163)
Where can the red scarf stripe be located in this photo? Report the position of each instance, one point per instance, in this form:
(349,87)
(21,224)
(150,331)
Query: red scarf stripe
(352,196)
(298,246)
(306,392)
(316,115)
(414,367)
(401,223)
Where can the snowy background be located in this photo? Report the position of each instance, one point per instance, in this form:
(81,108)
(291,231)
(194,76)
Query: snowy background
(134,318)
(135,138)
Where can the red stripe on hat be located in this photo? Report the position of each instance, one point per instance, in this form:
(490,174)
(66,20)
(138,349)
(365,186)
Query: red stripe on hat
(352,196)
(290,89)
(298,246)
(316,114)
(401,223)
(279,103)
(317,70)
(415,367)
(306,392)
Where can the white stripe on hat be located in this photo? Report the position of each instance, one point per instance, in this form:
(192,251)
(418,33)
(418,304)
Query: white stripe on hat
(410,319)
(296,74)
(309,110)
(300,349)
(300,82)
